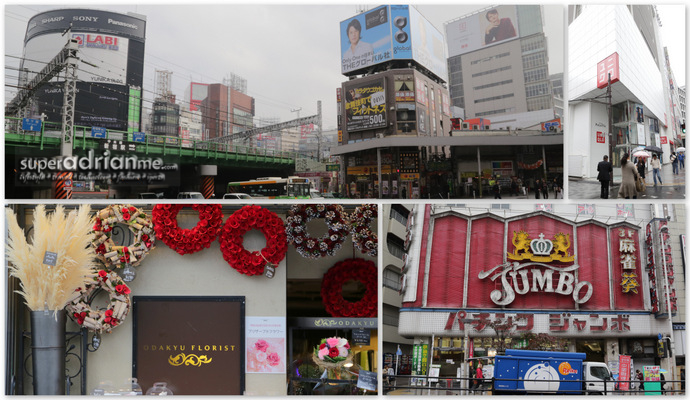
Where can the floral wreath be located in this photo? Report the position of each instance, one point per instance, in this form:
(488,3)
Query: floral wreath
(329,244)
(232,236)
(363,237)
(332,353)
(114,314)
(187,241)
(138,223)
(354,269)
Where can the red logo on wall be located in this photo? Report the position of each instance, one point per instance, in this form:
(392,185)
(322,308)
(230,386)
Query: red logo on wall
(601,137)
(606,67)
(664,140)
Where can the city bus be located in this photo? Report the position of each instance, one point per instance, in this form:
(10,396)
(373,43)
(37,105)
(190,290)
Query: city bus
(292,187)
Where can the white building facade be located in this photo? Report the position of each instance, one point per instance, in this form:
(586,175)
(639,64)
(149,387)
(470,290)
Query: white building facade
(623,40)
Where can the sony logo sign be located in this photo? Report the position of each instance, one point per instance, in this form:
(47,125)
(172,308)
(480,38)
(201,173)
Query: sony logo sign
(83,18)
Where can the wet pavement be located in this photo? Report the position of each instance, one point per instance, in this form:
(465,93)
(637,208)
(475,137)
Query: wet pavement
(673,186)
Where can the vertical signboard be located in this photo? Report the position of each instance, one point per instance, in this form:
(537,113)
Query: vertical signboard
(195,344)
(365,105)
(365,40)
(265,345)
(624,372)
(606,67)
(428,45)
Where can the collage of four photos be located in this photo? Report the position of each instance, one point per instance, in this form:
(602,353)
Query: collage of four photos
(479,200)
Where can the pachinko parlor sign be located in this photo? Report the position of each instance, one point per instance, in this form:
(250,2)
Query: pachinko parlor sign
(531,270)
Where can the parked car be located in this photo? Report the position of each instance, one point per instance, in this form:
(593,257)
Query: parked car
(150,195)
(315,194)
(190,195)
(236,196)
(328,195)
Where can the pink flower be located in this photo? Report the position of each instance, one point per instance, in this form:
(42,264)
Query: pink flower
(332,342)
(323,352)
(273,359)
(261,345)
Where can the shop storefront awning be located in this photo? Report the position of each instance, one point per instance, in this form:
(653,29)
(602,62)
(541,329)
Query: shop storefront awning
(453,141)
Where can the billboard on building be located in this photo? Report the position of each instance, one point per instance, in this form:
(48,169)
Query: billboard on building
(365,105)
(111,54)
(198,92)
(486,28)
(386,33)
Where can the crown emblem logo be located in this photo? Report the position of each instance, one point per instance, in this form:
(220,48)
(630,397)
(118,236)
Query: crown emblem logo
(541,246)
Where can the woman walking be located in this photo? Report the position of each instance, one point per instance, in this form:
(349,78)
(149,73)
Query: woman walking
(629,172)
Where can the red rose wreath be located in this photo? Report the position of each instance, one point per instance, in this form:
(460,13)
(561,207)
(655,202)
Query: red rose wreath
(232,237)
(308,246)
(138,223)
(187,241)
(81,312)
(354,269)
(363,237)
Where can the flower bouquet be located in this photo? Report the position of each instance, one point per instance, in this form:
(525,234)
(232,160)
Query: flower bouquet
(332,353)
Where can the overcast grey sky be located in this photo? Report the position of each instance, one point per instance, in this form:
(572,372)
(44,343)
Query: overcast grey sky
(289,54)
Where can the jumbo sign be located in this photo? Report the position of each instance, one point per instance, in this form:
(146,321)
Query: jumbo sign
(536,276)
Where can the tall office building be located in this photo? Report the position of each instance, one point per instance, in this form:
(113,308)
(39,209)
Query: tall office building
(498,66)
(620,41)
(226,111)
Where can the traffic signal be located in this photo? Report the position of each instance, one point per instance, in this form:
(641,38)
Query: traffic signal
(682,127)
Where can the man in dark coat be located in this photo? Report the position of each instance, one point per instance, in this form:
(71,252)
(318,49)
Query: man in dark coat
(605,169)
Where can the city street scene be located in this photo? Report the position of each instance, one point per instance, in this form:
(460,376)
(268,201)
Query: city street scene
(534,299)
(102,104)
(626,101)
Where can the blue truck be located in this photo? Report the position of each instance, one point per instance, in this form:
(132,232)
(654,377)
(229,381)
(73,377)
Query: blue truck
(549,372)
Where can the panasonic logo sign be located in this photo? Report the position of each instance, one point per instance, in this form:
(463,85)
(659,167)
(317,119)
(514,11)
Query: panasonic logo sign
(120,23)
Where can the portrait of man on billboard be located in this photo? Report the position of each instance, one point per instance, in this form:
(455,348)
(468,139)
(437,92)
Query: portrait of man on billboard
(498,28)
(358,52)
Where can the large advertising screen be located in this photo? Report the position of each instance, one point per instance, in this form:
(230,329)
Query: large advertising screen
(365,40)
(104,57)
(483,29)
(365,106)
(85,20)
(428,47)
(386,33)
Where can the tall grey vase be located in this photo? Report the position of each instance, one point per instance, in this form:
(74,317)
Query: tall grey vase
(48,352)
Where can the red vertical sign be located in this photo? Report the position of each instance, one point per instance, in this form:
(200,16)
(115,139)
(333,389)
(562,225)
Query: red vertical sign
(664,140)
(605,67)
(624,372)
(601,137)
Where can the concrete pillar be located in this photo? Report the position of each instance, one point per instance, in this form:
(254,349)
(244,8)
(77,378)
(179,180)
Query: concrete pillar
(62,186)
(208,180)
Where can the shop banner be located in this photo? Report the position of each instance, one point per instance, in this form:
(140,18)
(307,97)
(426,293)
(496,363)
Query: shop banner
(265,345)
(652,380)
(624,372)
(194,344)
(365,105)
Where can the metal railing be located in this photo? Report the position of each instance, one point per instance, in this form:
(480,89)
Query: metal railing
(83,139)
(423,385)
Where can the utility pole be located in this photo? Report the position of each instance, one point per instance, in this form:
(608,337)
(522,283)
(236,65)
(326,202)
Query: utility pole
(610,122)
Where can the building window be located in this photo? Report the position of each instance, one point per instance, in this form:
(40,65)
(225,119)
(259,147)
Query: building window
(492,71)
(488,85)
(399,213)
(391,279)
(504,96)
(391,316)
(395,246)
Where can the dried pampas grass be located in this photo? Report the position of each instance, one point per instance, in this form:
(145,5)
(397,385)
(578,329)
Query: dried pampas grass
(68,235)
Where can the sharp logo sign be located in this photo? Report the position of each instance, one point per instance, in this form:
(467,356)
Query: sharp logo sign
(97,41)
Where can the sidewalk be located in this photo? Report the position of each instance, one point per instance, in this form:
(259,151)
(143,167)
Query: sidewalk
(673,186)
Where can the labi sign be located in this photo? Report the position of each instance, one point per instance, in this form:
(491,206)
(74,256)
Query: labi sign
(183,341)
